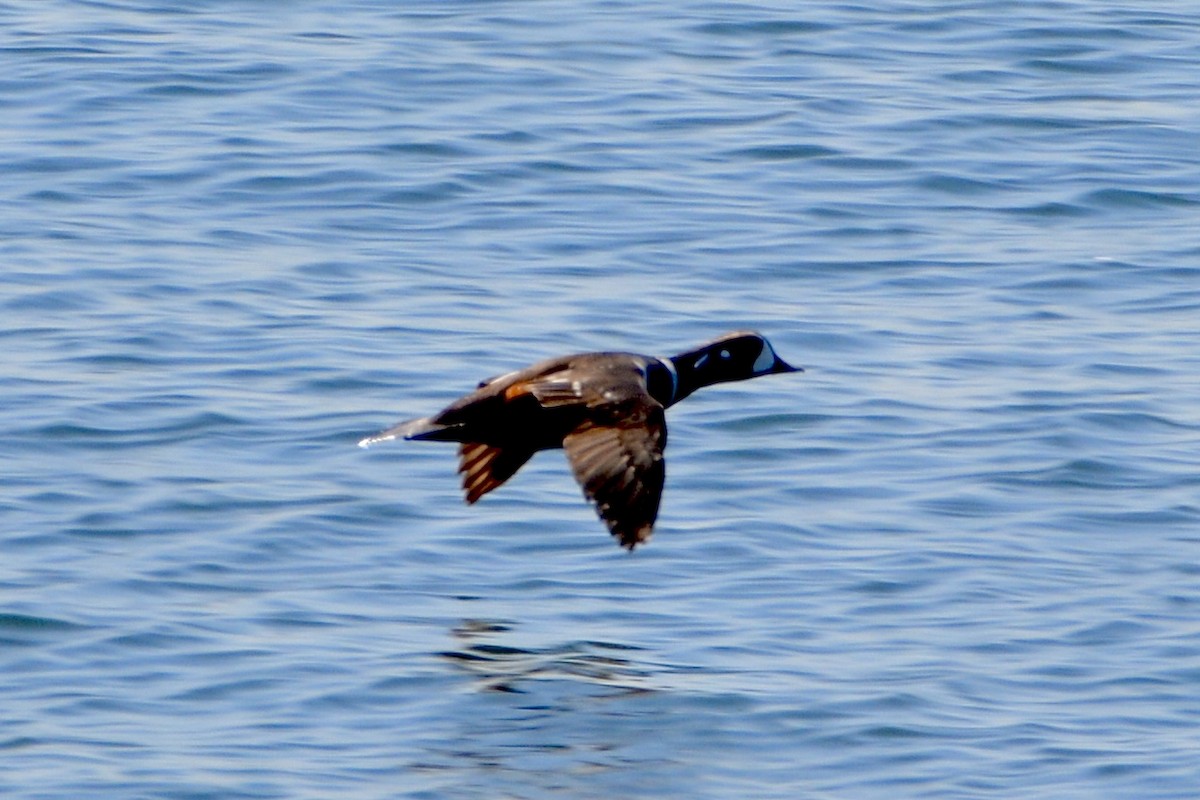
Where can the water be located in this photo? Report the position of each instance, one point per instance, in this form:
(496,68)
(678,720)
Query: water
(957,557)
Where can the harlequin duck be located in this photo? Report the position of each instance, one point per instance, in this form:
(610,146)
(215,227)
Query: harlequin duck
(604,409)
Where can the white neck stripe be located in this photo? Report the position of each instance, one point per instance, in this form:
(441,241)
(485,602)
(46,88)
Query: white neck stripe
(670,365)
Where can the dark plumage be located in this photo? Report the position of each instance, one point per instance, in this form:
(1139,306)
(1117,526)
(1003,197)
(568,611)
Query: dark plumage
(604,409)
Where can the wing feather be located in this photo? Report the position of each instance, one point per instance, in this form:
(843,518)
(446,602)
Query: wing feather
(621,469)
(484,467)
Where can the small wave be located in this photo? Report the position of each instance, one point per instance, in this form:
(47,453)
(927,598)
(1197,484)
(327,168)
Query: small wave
(1134,199)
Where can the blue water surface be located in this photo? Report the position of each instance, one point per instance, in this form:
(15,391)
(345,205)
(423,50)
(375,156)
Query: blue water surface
(958,557)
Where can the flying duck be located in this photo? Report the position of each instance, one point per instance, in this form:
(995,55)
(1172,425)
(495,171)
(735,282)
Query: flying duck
(604,409)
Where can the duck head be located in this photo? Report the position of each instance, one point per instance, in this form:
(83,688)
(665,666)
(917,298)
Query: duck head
(735,356)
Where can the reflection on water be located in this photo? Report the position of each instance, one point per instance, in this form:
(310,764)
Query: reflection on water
(500,667)
(577,719)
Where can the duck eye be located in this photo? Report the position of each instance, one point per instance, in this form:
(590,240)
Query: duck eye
(724,354)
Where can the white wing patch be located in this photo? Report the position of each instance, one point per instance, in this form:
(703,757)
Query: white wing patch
(557,392)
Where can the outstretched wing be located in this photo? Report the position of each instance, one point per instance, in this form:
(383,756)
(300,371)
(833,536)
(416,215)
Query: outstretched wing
(618,461)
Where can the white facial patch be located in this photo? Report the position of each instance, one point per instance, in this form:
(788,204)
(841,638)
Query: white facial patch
(765,360)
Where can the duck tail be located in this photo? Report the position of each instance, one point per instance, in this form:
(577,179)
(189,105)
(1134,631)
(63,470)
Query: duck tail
(423,428)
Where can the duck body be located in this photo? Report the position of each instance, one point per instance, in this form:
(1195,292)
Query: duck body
(605,409)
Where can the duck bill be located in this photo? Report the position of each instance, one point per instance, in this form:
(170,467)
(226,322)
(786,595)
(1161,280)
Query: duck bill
(782,366)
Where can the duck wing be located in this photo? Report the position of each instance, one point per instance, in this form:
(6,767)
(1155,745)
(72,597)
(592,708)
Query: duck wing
(617,457)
